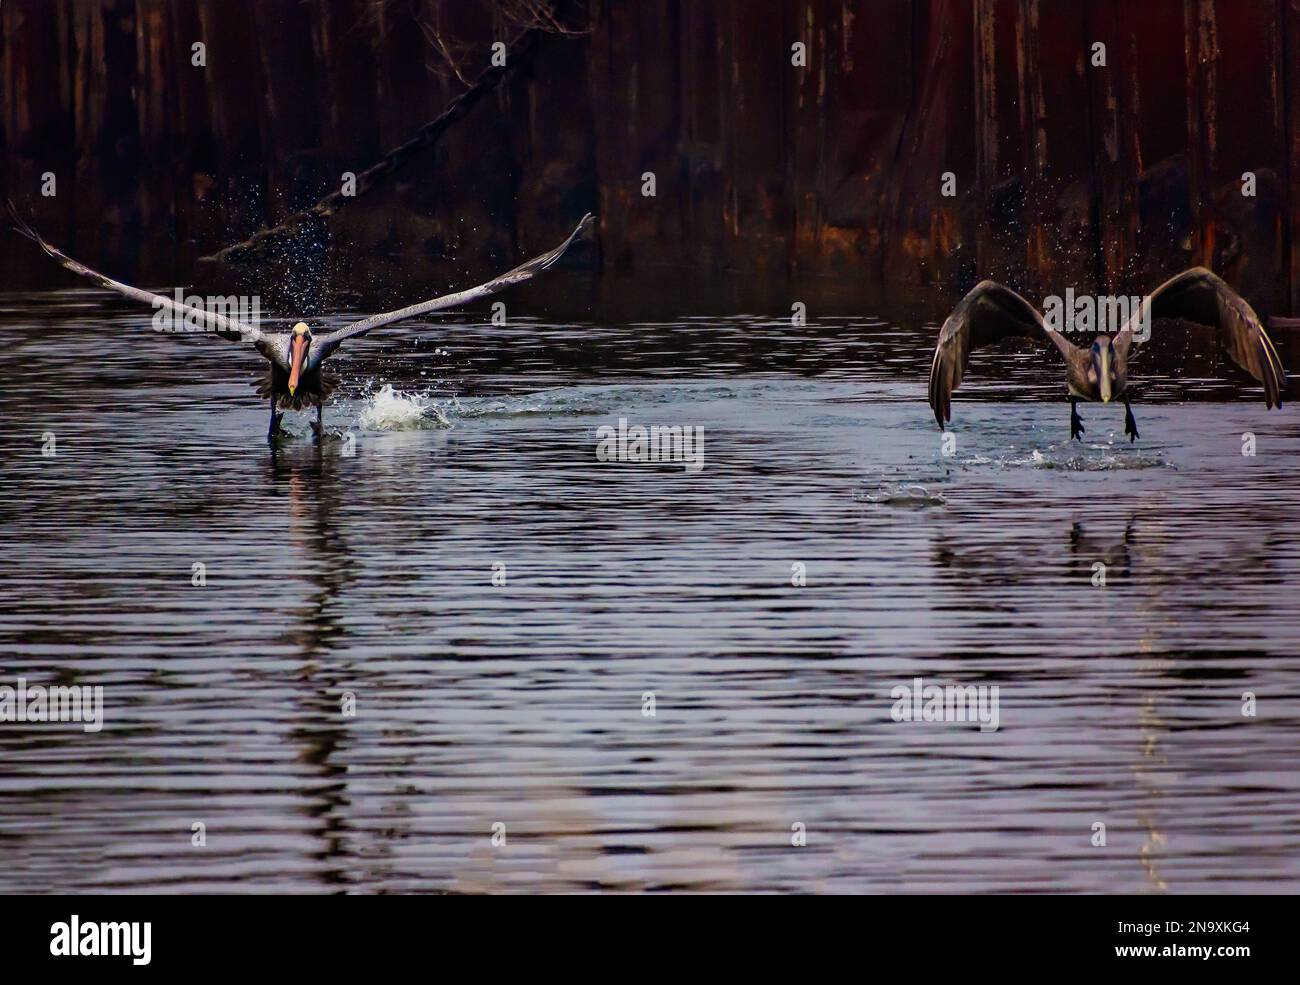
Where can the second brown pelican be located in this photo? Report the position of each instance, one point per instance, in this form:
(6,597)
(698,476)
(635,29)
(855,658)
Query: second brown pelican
(992,312)
(296,380)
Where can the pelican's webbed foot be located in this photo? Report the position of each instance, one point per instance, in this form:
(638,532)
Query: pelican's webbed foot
(1076,424)
(1130,423)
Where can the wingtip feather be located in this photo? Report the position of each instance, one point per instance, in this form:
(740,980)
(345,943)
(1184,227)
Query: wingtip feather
(19,226)
(1273,371)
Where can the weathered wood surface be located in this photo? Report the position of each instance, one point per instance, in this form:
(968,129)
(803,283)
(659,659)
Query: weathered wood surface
(1066,173)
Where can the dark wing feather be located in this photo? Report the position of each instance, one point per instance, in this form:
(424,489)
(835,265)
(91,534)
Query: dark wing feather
(1200,296)
(525,272)
(227,328)
(988,314)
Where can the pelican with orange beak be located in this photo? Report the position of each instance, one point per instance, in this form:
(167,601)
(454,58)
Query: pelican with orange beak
(296,380)
(301,339)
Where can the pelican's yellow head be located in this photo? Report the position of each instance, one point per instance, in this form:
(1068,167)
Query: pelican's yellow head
(298,344)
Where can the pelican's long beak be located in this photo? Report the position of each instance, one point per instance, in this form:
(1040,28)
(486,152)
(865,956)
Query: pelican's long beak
(299,346)
(1103,375)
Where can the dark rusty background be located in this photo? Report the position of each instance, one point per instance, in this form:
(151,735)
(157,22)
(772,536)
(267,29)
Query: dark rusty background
(1099,178)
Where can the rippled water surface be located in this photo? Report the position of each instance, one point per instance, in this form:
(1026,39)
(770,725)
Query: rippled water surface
(458,450)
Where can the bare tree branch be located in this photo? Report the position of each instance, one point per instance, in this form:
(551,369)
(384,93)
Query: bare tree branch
(534,18)
(427,135)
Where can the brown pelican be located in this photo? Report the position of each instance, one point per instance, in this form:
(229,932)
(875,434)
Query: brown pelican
(296,380)
(992,312)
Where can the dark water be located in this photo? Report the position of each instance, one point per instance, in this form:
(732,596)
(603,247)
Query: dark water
(371,574)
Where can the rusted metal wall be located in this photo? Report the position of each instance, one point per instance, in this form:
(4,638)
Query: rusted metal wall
(1066,172)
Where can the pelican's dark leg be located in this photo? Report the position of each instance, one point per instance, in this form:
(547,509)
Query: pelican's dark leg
(274,425)
(1076,425)
(1130,423)
(316,429)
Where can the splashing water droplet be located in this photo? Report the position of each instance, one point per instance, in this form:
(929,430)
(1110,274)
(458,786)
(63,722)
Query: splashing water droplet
(393,410)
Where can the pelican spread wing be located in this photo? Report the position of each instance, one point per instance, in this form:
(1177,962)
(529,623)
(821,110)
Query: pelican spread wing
(275,345)
(227,328)
(328,342)
(1200,296)
(989,313)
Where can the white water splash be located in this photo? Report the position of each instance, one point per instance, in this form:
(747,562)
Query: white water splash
(909,495)
(393,410)
(1092,458)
